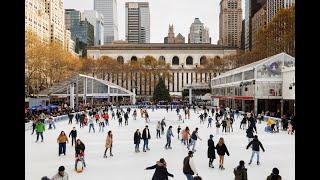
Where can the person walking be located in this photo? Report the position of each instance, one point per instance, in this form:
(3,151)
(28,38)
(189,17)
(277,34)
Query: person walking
(217,126)
(161,172)
(82,117)
(221,151)
(194,137)
(112,115)
(120,120)
(136,139)
(126,117)
(62,140)
(73,135)
(134,115)
(189,168)
(209,121)
(274,175)
(169,134)
(79,153)
(158,130)
(39,130)
(178,130)
(243,122)
(224,125)
(201,118)
(146,136)
(70,116)
(91,124)
(163,124)
(256,144)
(240,172)
(109,142)
(211,151)
(61,175)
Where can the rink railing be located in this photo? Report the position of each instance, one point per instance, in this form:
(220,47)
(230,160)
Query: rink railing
(28,126)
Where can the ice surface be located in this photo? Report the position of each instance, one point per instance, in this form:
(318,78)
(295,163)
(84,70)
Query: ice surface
(42,158)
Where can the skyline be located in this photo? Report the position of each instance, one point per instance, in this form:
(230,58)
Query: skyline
(181,18)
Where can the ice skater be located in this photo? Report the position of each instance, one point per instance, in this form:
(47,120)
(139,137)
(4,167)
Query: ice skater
(221,151)
(169,134)
(62,140)
(211,151)
(146,136)
(136,139)
(161,172)
(194,137)
(73,135)
(256,144)
(109,142)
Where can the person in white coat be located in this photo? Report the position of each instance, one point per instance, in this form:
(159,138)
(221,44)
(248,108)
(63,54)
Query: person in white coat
(61,175)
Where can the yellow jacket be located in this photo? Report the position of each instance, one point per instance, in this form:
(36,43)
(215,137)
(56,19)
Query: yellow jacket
(270,121)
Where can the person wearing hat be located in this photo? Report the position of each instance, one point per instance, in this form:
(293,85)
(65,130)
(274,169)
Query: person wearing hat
(256,144)
(61,175)
(211,151)
(146,136)
(240,172)
(274,175)
(161,172)
(189,168)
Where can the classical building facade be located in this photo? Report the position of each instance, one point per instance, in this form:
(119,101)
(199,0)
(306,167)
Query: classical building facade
(230,22)
(171,39)
(184,60)
(108,8)
(198,33)
(37,20)
(137,22)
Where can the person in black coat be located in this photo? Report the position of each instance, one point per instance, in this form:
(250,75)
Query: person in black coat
(73,134)
(250,134)
(146,136)
(211,151)
(70,115)
(126,117)
(161,172)
(136,139)
(221,151)
(79,152)
(256,144)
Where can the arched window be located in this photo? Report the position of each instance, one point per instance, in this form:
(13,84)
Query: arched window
(162,59)
(134,58)
(175,60)
(189,60)
(203,60)
(120,59)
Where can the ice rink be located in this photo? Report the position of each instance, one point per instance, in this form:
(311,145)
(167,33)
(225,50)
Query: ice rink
(42,158)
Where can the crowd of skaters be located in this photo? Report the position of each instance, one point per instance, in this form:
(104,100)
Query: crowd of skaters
(223,117)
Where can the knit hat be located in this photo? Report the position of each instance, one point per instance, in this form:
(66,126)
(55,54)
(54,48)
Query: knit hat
(275,171)
(61,168)
(190,152)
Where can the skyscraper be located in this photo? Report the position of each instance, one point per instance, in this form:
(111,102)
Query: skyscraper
(55,10)
(137,22)
(96,19)
(230,22)
(108,8)
(273,6)
(198,33)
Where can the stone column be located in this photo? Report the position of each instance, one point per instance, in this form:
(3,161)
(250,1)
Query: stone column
(255,106)
(72,95)
(281,101)
(190,96)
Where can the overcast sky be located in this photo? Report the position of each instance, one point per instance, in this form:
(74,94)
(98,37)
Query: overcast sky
(180,13)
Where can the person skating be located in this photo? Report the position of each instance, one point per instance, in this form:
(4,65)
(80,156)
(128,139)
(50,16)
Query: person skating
(79,153)
(212,111)
(201,118)
(180,117)
(146,136)
(101,124)
(240,172)
(82,119)
(73,134)
(135,115)
(106,118)
(169,134)
(136,139)
(109,142)
(61,175)
(39,130)
(163,124)
(77,117)
(218,124)
(249,132)
(274,175)
(120,120)
(224,125)
(126,117)
(91,124)
(189,168)
(231,123)
(161,172)
(256,144)
(112,115)
(194,137)
(178,130)
(70,116)
(97,117)
(243,122)
(185,136)
(158,129)
(51,122)
(209,121)
(34,124)
(62,140)
(221,151)
(147,117)
(211,151)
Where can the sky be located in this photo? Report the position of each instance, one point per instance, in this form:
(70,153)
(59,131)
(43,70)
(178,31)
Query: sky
(180,13)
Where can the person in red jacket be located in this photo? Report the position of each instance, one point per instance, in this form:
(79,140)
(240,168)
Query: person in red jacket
(106,118)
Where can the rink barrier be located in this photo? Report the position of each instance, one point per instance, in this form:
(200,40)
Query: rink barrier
(28,126)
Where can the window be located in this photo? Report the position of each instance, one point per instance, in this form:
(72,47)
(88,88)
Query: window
(189,60)
(175,60)
(203,60)
(120,59)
